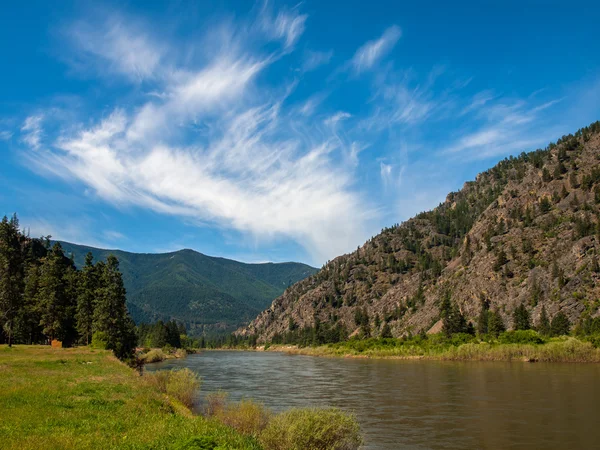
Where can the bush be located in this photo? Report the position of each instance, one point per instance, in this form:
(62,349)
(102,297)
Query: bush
(520,337)
(247,417)
(154,355)
(312,428)
(99,340)
(180,384)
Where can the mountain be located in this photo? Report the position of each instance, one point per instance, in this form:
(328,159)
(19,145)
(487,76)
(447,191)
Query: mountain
(199,290)
(526,232)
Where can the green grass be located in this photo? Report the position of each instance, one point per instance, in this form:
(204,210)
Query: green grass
(86,399)
(459,348)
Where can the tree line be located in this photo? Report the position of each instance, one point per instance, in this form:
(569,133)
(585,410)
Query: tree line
(45,298)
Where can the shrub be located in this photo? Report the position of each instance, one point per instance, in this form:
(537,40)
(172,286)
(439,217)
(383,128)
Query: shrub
(180,384)
(99,340)
(183,385)
(520,337)
(312,428)
(154,355)
(247,417)
(215,403)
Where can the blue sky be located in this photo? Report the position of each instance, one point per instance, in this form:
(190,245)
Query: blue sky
(274,131)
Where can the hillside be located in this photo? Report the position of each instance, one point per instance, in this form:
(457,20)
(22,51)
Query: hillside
(196,289)
(524,232)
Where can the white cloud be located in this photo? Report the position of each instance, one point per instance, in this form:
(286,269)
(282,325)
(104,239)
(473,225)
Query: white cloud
(286,26)
(119,46)
(372,51)
(313,60)
(337,117)
(32,131)
(256,169)
(5,135)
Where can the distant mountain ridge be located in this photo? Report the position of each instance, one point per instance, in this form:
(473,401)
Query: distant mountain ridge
(204,292)
(525,233)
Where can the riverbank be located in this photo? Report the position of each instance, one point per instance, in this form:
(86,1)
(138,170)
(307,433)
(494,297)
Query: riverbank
(563,349)
(83,398)
(86,399)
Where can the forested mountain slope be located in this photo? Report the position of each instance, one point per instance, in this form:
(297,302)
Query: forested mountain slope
(526,232)
(196,289)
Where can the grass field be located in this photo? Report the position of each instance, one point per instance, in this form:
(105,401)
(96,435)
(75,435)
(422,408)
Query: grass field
(83,399)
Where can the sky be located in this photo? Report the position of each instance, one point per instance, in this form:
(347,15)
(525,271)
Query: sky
(274,131)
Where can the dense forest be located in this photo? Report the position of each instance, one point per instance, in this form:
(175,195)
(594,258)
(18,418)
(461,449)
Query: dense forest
(517,248)
(44,298)
(209,295)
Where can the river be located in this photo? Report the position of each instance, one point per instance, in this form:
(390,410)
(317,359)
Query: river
(421,404)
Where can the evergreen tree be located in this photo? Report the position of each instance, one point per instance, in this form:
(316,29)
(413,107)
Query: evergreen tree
(544,323)
(521,318)
(495,323)
(110,315)
(452,319)
(52,297)
(11,275)
(86,299)
(500,260)
(386,331)
(560,325)
(482,319)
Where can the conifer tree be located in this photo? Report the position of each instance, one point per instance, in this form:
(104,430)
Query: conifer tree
(560,325)
(544,323)
(482,319)
(495,323)
(86,295)
(52,297)
(110,315)
(521,319)
(386,331)
(11,275)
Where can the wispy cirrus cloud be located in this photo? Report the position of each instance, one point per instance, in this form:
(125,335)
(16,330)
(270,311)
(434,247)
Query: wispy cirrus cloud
(372,51)
(314,59)
(32,131)
(116,45)
(253,171)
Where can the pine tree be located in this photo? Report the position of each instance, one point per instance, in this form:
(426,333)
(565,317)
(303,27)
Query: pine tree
(560,325)
(495,323)
(386,331)
(521,319)
(11,275)
(52,297)
(544,323)
(111,318)
(482,319)
(86,299)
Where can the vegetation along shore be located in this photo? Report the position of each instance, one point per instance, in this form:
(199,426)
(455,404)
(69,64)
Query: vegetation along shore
(82,398)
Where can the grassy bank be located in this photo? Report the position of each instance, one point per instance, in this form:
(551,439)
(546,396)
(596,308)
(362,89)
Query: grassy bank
(83,399)
(563,349)
(86,399)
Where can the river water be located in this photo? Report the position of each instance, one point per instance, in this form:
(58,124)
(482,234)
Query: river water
(421,404)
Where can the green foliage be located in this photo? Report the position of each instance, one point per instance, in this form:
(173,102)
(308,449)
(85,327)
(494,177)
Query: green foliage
(181,384)
(193,288)
(44,298)
(300,429)
(544,323)
(100,340)
(521,336)
(495,323)
(521,318)
(560,325)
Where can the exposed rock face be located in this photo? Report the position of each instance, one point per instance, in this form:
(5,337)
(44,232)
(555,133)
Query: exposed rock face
(525,232)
